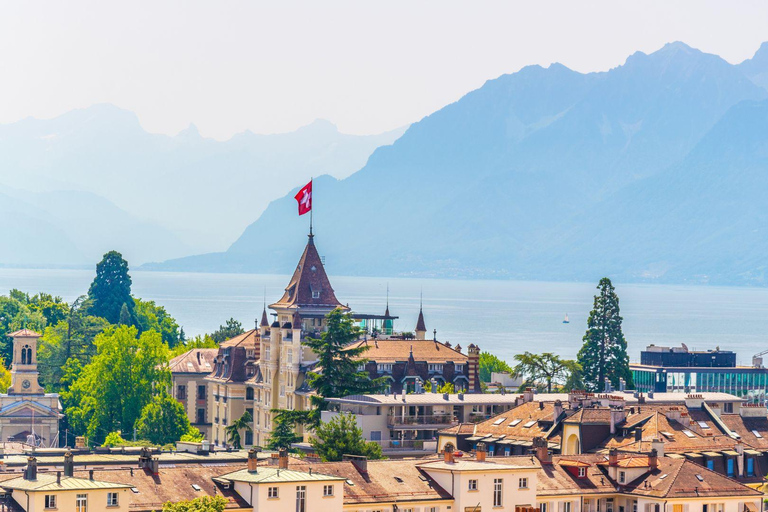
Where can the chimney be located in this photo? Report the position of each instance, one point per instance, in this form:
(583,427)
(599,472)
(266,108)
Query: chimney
(638,434)
(253,460)
(282,461)
(740,457)
(613,457)
(541,406)
(622,384)
(448,454)
(154,466)
(607,386)
(617,416)
(359,461)
(58,477)
(528,395)
(542,450)
(90,474)
(472,368)
(653,460)
(558,410)
(658,445)
(69,464)
(480,452)
(31,472)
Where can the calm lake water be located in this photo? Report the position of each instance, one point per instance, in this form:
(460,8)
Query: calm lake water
(503,317)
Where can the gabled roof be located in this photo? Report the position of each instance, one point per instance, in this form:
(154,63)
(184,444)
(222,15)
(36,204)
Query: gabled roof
(47,482)
(27,409)
(309,277)
(392,351)
(268,474)
(197,360)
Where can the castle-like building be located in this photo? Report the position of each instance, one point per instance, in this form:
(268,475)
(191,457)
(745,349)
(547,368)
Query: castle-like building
(27,413)
(266,368)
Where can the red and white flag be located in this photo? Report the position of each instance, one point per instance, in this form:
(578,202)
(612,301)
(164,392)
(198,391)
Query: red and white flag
(304,198)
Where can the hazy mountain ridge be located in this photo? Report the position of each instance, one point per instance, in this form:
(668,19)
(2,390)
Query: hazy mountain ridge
(200,192)
(548,174)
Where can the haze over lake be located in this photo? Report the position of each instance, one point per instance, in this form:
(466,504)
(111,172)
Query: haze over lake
(503,317)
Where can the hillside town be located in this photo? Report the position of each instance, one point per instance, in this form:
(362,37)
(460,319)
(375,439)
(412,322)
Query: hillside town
(431,436)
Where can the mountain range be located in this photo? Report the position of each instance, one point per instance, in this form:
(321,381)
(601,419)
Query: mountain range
(656,170)
(93,179)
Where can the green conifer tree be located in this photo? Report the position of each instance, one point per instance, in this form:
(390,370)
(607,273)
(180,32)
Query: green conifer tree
(604,352)
(111,288)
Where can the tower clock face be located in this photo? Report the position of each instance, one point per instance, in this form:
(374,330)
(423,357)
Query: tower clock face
(25,384)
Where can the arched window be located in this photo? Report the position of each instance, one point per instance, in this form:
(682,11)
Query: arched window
(26,359)
(29,355)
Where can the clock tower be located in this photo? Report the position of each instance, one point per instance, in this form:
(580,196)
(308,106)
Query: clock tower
(24,375)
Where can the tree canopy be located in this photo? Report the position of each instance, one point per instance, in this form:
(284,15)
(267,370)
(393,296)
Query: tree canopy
(546,368)
(341,436)
(488,364)
(604,350)
(151,317)
(163,420)
(111,288)
(201,504)
(233,430)
(282,435)
(110,392)
(231,329)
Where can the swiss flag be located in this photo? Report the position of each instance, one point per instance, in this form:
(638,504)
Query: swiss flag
(304,198)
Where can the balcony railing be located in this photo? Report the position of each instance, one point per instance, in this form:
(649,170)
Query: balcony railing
(426,445)
(422,420)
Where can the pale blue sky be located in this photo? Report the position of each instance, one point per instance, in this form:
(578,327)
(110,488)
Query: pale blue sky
(368,66)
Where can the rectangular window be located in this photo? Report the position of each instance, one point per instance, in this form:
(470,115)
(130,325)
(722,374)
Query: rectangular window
(111,499)
(750,467)
(272,493)
(301,498)
(622,477)
(711,464)
(201,415)
(497,492)
(677,508)
(582,472)
(50,501)
(543,507)
(81,503)
(201,392)
(289,355)
(729,471)
(566,506)
(315,295)
(473,485)
(728,408)
(181,392)
(327,490)
(523,483)
(267,350)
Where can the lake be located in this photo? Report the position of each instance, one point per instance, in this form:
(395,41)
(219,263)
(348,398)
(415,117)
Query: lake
(503,317)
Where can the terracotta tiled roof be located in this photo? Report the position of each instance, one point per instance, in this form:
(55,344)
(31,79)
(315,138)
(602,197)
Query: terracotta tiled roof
(599,416)
(633,461)
(197,360)
(746,427)
(385,480)
(309,277)
(249,339)
(24,333)
(391,351)
(674,478)
(523,422)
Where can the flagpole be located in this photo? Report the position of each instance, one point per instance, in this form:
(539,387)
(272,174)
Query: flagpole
(311,207)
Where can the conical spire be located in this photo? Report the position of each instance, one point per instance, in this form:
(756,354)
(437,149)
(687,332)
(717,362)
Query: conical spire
(264,320)
(421,327)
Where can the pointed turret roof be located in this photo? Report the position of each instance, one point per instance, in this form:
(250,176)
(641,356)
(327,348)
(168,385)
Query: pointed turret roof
(309,285)
(264,320)
(420,325)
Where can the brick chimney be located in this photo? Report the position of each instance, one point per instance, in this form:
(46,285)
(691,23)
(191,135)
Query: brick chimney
(480,452)
(558,410)
(473,352)
(253,461)
(653,460)
(359,461)
(542,450)
(658,445)
(528,395)
(69,464)
(448,454)
(282,460)
(613,457)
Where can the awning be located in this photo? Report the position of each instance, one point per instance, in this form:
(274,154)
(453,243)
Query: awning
(730,453)
(476,438)
(693,455)
(753,452)
(712,454)
(750,506)
(506,441)
(674,456)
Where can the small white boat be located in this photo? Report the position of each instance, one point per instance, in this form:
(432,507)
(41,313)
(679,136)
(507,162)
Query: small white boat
(565,320)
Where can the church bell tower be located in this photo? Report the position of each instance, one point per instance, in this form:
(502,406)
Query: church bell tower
(24,374)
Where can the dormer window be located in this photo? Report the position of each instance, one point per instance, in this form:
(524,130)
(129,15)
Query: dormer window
(622,477)
(315,295)
(582,472)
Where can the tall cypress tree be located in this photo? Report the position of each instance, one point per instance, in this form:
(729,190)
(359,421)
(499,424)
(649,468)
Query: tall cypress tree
(604,353)
(111,288)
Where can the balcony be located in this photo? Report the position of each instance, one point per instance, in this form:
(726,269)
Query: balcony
(422,421)
(411,445)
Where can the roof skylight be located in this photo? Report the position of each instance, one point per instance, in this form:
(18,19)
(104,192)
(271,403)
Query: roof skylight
(499,421)
(703,424)
(529,424)
(701,478)
(757,434)
(689,433)
(514,422)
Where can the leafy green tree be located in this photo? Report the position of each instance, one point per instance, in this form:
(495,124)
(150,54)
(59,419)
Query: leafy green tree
(150,316)
(197,342)
(341,436)
(114,439)
(489,363)
(53,309)
(339,361)
(192,435)
(231,329)
(201,504)
(110,392)
(604,352)
(233,430)
(111,288)
(547,368)
(125,316)
(282,435)
(163,420)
